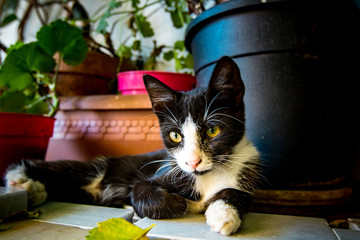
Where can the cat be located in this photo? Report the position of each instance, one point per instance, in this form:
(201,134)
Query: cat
(207,166)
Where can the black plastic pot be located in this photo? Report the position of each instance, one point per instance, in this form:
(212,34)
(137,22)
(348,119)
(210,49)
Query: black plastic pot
(298,62)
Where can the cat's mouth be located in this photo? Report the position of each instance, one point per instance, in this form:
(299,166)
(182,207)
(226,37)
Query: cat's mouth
(197,172)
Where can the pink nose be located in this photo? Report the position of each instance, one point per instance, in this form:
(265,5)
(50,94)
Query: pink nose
(193,163)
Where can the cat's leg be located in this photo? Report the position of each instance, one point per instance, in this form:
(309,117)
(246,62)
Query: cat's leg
(153,201)
(16,178)
(225,211)
(60,180)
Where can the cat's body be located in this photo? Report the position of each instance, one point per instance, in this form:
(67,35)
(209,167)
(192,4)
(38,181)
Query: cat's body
(208,165)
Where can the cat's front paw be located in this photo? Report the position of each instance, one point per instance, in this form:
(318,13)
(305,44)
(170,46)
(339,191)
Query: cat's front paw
(17,178)
(222,218)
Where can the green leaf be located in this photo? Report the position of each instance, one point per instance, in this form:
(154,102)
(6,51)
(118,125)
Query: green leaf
(117,229)
(8,11)
(75,52)
(17,45)
(136,45)
(177,18)
(169,55)
(188,62)
(13,102)
(143,25)
(8,19)
(134,3)
(16,72)
(179,45)
(101,27)
(124,52)
(64,38)
(114,4)
(37,59)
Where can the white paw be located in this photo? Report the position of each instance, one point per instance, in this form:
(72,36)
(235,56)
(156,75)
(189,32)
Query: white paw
(222,218)
(17,178)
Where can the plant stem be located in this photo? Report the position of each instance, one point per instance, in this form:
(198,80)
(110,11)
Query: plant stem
(55,100)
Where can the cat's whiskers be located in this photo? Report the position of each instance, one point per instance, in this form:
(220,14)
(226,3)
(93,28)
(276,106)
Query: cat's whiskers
(226,115)
(167,116)
(168,164)
(216,110)
(157,125)
(155,161)
(174,118)
(207,108)
(217,120)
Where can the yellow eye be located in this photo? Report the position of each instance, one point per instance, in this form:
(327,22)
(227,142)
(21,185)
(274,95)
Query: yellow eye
(175,137)
(213,131)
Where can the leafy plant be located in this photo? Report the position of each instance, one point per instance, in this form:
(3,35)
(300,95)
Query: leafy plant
(29,72)
(118,229)
(137,15)
(139,25)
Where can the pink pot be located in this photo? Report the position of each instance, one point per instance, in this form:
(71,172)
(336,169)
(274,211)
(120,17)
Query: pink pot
(23,136)
(131,82)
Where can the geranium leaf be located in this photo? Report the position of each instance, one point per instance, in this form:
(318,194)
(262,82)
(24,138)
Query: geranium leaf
(13,102)
(64,38)
(16,72)
(143,25)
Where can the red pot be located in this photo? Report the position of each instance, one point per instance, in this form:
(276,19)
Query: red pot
(23,136)
(131,82)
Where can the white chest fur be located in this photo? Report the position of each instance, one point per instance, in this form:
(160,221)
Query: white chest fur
(225,176)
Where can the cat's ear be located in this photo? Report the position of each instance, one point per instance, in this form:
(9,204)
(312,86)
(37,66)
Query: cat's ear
(159,93)
(226,81)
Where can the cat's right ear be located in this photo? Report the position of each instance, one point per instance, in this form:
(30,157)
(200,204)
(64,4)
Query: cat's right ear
(159,93)
(226,83)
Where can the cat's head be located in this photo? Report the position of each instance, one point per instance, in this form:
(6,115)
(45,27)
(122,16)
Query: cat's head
(201,127)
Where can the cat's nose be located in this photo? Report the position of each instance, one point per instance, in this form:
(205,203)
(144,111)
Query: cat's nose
(193,163)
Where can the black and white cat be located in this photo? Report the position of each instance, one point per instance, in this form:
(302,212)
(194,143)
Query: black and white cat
(208,164)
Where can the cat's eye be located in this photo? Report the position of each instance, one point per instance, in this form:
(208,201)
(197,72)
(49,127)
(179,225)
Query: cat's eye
(175,137)
(213,131)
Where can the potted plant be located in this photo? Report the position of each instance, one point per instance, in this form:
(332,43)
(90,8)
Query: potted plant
(95,74)
(27,87)
(129,55)
(131,49)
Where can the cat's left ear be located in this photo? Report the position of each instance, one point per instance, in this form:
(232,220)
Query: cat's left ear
(159,93)
(226,82)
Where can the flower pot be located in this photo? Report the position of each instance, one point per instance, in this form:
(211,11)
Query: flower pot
(23,136)
(91,77)
(87,127)
(297,63)
(131,82)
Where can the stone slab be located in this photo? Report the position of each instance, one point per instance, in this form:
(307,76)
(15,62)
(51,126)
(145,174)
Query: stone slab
(79,215)
(31,230)
(256,226)
(13,201)
(346,234)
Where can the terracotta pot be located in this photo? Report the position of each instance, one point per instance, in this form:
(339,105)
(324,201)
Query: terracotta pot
(104,125)
(131,82)
(23,136)
(91,77)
